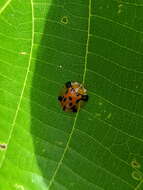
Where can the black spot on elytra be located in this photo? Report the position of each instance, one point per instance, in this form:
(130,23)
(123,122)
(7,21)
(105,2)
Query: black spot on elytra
(70,98)
(70,104)
(64,108)
(77,101)
(85,97)
(74,109)
(68,84)
(60,98)
(64,99)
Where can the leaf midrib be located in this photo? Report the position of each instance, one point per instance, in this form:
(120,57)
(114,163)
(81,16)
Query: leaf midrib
(76,117)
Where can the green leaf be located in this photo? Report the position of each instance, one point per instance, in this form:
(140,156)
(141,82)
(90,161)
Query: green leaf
(44,44)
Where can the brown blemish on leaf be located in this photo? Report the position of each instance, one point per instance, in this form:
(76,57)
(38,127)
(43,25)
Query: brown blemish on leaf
(137,175)
(64,20)
(135,164)
(3,146)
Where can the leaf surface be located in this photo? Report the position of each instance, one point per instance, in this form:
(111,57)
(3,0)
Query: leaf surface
(44,44)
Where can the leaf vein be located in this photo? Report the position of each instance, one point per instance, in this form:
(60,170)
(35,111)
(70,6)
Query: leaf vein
(23,87)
